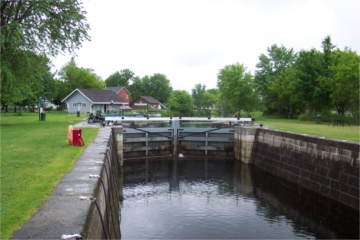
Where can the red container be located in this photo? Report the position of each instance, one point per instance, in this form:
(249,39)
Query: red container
(77,139)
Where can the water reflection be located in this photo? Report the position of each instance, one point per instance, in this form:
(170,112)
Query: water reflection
(212,199)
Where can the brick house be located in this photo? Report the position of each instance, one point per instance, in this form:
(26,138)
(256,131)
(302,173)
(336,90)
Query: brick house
(146,102)
(121,92)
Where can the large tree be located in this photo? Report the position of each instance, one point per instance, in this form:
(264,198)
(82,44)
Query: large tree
(287,100)
(204,100)
(121,78)
(26,79)
(235,85)
(343,82)
(42,26)
(180,103)
(197,94)
(270,71)
(157,86)
(72,77)
(35,28)
(308,90)
(138,88)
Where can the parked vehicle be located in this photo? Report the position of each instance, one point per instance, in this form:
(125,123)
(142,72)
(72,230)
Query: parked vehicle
(95,119)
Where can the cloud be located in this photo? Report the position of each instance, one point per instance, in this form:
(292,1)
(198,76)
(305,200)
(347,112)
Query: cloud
(189,41)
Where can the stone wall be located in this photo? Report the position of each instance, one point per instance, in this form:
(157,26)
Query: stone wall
(326,166)
(103,219)
(244,138)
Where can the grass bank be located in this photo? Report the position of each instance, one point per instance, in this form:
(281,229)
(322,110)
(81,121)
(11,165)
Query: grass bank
(34,156)
(350,133)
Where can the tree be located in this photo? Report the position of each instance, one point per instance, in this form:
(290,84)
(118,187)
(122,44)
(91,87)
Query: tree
(285,88)
(31,31)
(209,100)
(308,90)
(220,105)
(204,100)
(157,86)
(328,47)
(270,68)
(343,81)
(236,87)
(137,88)
(42,26)
(197,95)
(180,102)
(72,77)
(26,79)
(122,78)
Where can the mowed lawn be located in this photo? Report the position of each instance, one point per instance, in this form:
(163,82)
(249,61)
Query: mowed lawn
(34,156)
(349,133)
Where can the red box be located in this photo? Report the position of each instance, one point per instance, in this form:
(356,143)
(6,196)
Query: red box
(77,139)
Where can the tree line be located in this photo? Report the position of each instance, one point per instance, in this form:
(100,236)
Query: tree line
(285,82)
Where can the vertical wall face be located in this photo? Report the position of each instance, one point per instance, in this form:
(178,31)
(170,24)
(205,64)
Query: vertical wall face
(103,220)
(328,167)
(244,137)
(119,146)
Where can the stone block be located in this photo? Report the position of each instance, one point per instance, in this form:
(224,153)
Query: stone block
(353,181)
(352,170)
(334,157)
(324,190)
(322,171)
(335,195)
(345,198)
(353,191)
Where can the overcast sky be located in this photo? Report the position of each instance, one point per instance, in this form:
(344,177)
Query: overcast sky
(190,40)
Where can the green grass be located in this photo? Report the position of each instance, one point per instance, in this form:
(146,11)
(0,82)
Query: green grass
(34,156)
(350,133)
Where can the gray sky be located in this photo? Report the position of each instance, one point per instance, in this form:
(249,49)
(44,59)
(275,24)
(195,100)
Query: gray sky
(190,40)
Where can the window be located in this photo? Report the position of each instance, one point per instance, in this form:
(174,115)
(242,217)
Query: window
(78,104)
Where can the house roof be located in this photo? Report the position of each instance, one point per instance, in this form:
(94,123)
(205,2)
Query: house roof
(150,99)
(116,89)
(98,96)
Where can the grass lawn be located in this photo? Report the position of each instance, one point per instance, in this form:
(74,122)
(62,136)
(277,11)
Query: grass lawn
(350,133)
(34,156)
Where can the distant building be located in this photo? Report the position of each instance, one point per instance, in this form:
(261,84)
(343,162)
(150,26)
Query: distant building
(147,102)
(121,92)
(86,100)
